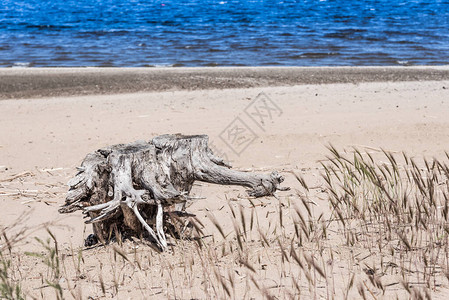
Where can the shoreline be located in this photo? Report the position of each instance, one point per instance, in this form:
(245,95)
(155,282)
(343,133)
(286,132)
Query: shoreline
(22,83)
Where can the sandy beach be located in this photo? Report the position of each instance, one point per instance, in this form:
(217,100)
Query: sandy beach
(51,118)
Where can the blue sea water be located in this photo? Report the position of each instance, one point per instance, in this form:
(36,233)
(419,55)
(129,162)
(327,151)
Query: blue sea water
(136,33)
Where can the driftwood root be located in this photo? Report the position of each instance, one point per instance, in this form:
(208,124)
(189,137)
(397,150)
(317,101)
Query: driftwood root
(128,186)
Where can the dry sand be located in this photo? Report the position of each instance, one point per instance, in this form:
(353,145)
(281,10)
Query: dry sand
(43,139)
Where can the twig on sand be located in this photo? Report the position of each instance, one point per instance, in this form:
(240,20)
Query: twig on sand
(29,201)
(25,193)
(23,174)
(47,202)
(51,169)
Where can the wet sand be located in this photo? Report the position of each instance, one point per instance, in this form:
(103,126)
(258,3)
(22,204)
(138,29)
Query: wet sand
(53,82)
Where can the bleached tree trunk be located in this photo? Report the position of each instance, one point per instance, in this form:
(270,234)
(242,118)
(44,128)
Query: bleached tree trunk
(127,186)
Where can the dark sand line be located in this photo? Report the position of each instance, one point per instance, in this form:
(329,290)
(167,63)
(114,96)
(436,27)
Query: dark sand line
(52,82)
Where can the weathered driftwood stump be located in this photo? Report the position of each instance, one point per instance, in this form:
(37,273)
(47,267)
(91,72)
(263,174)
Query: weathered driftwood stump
(126,187)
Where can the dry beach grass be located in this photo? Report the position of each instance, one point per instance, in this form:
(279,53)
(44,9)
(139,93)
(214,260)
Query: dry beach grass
(359,222)
(385,236)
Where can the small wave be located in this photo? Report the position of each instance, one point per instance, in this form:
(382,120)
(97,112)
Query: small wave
(349,34)
(403,42)
(215,50)
(106,64)
(376,38)
(404,62)
(272,64)
(391,33)
(109,32)
(313,55)
(162,65)
(211,64)
(48,27)
(22,65)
